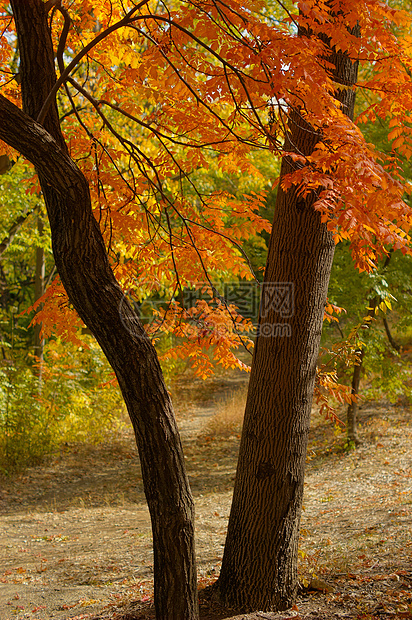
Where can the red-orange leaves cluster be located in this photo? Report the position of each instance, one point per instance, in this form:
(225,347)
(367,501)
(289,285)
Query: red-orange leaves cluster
(55,315)
(206,334)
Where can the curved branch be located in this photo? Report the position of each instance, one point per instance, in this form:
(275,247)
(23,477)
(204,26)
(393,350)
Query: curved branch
(63,36)
(35,144)
(102,35)
(13,230)
(127,20)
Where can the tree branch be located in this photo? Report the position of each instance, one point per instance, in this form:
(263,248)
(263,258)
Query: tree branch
(63,77)
(30,138)
(14,228)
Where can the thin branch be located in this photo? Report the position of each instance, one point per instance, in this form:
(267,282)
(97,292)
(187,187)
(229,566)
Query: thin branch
(63,77)
(63,36)
(155,131)
(158,187)
(393,343)
(198,99)
(13,230)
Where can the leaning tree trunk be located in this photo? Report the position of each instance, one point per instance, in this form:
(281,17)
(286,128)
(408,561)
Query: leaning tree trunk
(83,266)
(259,569)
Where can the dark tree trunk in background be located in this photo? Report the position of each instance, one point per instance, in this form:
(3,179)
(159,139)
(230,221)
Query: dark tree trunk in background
(82,264)
(38,292)
(259,569)
(352,414)
(389,336)
(353,408)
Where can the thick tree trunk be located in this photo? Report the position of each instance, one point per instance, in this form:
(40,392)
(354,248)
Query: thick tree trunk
(259,563)
(259,569)
(82,264)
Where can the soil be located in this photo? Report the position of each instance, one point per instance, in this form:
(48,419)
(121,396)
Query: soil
(75,538)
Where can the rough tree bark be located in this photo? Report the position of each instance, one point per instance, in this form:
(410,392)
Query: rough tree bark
(259,569)
(83,266)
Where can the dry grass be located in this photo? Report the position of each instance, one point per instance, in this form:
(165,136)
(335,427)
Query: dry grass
(75,534)
(228,419)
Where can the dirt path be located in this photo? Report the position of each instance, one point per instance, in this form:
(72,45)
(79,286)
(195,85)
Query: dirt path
(75,536)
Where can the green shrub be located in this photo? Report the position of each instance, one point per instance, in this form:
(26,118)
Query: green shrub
(75,400)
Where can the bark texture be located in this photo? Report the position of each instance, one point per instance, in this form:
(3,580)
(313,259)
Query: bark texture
(82,264)
(259,569)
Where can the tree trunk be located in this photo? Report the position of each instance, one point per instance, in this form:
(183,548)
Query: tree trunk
(259,569)
(38,292)
(352,414)
(391,339)
(83,266)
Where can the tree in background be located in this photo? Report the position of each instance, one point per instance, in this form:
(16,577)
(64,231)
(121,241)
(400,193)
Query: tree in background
(75,399)
(370,337)
(151,95)
(19,240)
(375,325)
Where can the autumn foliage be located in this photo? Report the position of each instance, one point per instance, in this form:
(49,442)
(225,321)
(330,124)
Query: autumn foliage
(156,103)
(155,99)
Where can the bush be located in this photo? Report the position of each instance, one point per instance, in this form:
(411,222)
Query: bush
(73,401)
(27,432)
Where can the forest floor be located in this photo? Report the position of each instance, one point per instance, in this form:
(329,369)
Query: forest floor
(75,540)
